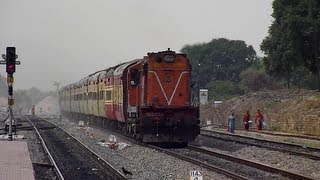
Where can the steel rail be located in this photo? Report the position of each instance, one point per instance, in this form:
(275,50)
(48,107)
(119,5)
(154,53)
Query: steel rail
(267,132)
(314,157)
(269,141)
(203,164)
(290,135)
(116,174)
(311,137)
(56,168)
(182,157)
(251,163)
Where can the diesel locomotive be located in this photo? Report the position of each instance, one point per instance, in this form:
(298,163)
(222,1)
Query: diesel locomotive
(151,98)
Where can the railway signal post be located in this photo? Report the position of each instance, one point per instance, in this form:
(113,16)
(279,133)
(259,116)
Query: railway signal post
(10,62)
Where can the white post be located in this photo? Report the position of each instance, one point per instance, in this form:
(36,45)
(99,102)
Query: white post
(10,122)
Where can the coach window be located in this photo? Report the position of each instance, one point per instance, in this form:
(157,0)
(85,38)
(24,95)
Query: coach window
(108,94)
(101,95)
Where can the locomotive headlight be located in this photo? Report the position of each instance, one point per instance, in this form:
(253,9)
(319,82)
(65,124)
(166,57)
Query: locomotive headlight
(169,58)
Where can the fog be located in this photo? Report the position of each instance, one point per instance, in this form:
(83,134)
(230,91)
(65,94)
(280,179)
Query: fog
(64,41)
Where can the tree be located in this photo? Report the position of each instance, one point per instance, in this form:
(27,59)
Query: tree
(253,79)
(26,98)
(220,90)
(219,60)
(293,39)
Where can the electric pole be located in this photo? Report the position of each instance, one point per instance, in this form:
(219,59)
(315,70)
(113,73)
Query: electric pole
(57,84)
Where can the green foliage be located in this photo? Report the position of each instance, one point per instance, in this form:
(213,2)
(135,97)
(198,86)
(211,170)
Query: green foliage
(304,78)
(293,39)
(255,78)
(219,60)
(219,90)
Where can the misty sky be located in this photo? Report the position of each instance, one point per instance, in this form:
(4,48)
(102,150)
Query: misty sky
(65,40)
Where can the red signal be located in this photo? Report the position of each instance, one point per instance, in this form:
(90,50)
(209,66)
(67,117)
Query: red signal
(11,60)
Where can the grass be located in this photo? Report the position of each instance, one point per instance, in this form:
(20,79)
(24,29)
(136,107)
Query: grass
(275,128)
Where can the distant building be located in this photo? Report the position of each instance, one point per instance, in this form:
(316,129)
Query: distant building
(203,96)
(217,103)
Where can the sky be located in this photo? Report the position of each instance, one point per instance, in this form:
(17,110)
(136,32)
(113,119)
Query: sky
(64,41)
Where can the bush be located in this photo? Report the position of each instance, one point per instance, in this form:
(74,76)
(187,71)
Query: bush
(303,78)
(253,79)
(220,90)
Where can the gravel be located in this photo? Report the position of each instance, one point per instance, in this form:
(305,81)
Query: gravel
(240,169)
(142,162)
(298,164)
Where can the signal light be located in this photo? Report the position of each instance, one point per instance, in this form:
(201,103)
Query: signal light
(11,60)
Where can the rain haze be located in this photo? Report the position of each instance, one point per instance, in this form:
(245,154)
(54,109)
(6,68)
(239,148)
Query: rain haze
(66,40)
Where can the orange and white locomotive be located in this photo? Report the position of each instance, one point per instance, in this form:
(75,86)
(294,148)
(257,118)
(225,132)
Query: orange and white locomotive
(149,98)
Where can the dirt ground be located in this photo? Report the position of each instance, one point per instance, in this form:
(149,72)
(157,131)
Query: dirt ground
(293,111)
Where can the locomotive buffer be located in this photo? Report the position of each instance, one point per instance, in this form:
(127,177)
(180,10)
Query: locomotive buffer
(10,62)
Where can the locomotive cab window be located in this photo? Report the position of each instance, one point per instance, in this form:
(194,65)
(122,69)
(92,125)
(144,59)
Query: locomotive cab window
(135,77)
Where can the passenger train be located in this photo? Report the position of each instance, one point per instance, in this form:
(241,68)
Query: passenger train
(149,98)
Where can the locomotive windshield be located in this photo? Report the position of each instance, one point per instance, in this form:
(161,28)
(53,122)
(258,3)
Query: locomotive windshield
(135,77)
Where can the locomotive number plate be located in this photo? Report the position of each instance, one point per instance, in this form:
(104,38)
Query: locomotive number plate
(154,114)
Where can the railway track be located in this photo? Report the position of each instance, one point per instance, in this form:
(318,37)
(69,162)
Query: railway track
(42,166)
(69,157)
(290,135)
(211,167)
(270,133)
(235,169)
(264,167)
(307,152)
(230,166)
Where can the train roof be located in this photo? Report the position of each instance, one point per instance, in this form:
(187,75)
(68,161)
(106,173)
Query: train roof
(102,74)
(115,70)
(68,87)
(93,77)
(83,81)
(122,67)
(110,72)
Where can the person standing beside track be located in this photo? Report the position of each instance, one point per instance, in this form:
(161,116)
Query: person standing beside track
(232,123)
(259,120)
(33,110)
(246,119)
